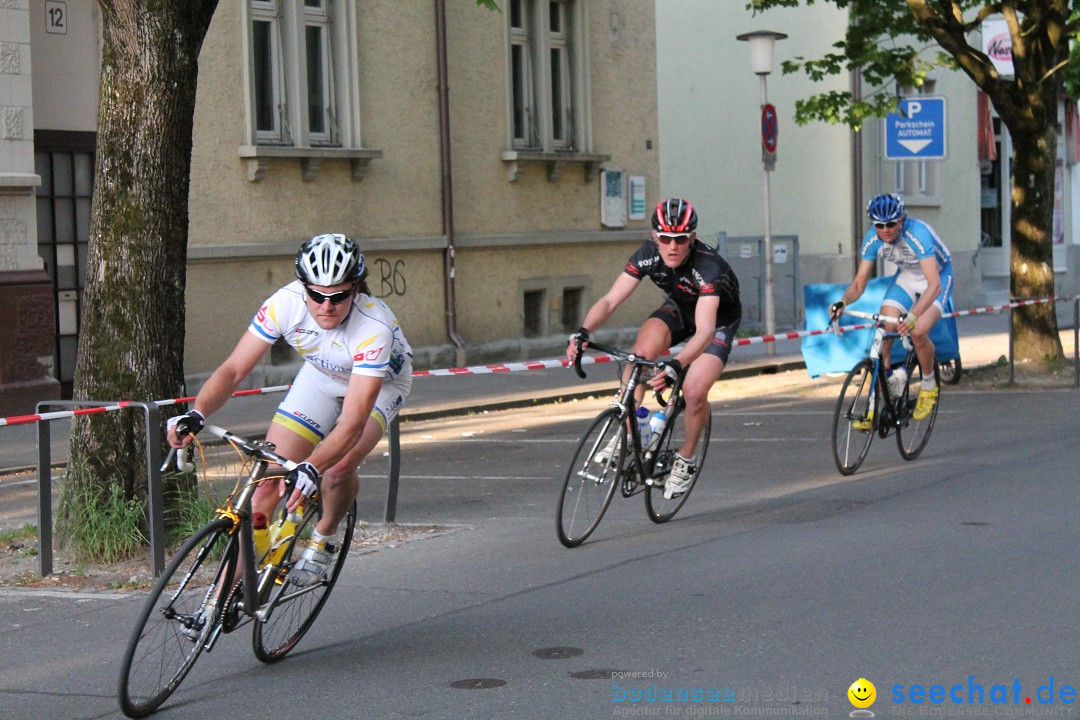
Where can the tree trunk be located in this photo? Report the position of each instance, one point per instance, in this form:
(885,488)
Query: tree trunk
(1032,258)
(131,344)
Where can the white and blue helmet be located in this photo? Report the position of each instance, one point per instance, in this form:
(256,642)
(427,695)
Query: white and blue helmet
(329,259)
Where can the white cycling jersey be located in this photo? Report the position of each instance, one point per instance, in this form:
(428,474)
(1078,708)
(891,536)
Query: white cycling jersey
(368,342)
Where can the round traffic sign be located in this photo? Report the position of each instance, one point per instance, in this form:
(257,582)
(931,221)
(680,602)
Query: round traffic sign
(770,127)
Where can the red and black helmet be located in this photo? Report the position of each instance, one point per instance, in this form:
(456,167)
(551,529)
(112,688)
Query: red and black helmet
(674,215)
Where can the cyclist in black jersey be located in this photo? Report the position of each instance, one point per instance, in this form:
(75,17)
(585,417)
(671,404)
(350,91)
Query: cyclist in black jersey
(701,307)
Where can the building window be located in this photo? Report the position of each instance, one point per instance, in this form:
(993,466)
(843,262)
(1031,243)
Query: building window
(918,181)
(571,308)
(547,74)
(65,163)
(302,86)
(534,302)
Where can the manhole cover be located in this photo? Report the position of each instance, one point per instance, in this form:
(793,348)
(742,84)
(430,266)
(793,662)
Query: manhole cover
(477,683)
(595,674)
(557,653)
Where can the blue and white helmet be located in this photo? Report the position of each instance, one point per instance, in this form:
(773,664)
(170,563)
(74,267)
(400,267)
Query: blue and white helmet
(886,207)
(328,260)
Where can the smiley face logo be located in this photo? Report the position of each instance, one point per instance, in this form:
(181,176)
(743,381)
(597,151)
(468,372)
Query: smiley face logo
(862,693)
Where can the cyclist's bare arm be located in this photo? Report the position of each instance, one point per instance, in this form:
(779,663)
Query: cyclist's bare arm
(602,309)
(223,382)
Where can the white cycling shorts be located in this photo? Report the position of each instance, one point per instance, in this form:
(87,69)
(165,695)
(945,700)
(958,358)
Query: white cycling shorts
(909,286)
(313,403)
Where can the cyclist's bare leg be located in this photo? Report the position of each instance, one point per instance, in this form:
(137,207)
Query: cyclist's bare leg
(703,373)
(887,343)
(924,347)
(341,482)
(653,340)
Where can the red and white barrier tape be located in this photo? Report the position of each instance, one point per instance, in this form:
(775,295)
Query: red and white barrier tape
(500,367)
(60,414)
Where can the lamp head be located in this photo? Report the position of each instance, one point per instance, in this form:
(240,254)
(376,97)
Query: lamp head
(761,49)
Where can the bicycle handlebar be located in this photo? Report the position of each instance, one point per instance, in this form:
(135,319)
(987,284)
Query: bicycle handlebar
(251,448)
(629,357)
(875,317)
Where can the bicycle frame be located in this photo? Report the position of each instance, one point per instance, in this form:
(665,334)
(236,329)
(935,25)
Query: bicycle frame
(626,401)
(237,508)
(874,354)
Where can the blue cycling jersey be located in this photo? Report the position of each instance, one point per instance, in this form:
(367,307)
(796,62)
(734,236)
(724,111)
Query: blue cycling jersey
(916,242)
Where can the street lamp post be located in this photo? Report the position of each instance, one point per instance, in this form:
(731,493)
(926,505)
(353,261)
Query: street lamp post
(761,62)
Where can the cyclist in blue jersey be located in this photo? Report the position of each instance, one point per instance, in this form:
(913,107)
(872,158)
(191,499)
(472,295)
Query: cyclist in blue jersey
(701,307)
(922,288)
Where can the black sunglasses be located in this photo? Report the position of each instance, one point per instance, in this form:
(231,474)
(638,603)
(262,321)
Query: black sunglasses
(891,224)
(335,298)
(680,239)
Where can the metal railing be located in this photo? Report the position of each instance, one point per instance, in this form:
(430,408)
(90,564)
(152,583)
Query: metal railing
(155,510)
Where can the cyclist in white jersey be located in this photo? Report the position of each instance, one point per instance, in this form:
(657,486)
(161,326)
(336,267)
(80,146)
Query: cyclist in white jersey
(922,289)
(356,375)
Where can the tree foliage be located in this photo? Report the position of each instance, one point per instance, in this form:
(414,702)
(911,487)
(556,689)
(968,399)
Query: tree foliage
(896,43)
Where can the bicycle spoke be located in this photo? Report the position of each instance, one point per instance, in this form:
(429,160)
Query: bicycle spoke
(851,443)
(172,630)
(657,507)
(589,484)
(912,435)
(290,610)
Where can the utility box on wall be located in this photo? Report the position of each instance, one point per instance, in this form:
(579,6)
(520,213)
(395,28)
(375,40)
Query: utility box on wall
(613,198)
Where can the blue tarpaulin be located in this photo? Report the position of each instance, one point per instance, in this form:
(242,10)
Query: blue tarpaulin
(832,354)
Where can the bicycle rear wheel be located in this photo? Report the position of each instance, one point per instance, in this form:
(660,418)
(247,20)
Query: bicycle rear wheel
(172,629)
(658,508)
(854,404)
(590,485)
(911,434)
(291,609)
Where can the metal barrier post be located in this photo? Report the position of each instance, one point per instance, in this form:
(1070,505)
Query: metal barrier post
(395,471)
(155,511)
(45,519)
(154,494)
(1011,366)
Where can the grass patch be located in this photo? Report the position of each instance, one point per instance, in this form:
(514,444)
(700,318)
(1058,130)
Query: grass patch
(26,532)
(102,525)
(187,512)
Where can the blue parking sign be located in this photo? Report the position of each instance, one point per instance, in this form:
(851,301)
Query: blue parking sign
(917,131)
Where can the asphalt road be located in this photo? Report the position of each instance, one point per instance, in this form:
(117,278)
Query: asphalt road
(779,584)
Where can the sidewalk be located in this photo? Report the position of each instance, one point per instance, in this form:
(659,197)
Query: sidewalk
(983,339)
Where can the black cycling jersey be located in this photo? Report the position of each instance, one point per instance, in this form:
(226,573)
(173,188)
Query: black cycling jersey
(704,273)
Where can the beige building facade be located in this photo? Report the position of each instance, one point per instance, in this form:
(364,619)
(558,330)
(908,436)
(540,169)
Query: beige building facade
(530,247)
(491,153)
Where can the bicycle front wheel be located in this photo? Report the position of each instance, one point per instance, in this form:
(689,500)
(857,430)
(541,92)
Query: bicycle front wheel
(911,434)
(657,507)
(854,406)
(291,608)
(175,621)
(591,478)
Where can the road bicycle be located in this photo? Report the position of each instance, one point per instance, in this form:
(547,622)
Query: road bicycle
(202,594)
(866,396)
(594,474)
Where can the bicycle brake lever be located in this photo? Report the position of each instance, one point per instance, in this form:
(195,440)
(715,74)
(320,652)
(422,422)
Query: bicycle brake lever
(577,363)
(182,460)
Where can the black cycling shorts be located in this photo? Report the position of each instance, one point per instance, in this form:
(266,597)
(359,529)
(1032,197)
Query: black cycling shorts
(681,329)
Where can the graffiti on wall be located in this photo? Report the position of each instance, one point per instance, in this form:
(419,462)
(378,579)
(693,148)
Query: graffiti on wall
(387,278)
